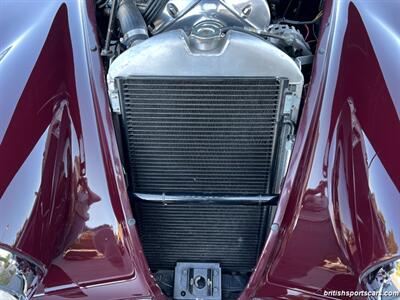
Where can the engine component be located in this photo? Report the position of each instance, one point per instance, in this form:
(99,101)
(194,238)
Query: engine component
(201,112)
(291,40)
(208,105)
(174,53)
(152,9)
(131,22)
(197,281)
(184,14)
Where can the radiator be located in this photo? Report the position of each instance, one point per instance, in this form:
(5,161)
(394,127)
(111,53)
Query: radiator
(200,134)
(230,234)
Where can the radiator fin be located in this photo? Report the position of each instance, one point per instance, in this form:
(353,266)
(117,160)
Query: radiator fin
(229,234)
(200,135)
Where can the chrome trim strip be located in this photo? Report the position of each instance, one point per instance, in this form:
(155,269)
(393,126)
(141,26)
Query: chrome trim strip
(207,199)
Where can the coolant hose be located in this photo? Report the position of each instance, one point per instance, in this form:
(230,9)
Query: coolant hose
(131,21)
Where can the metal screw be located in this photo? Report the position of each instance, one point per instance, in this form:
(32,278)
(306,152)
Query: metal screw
(131,222)
(274,227)
(172,10)
(246,11)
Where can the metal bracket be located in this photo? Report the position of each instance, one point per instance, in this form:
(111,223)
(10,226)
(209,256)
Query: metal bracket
(197,281)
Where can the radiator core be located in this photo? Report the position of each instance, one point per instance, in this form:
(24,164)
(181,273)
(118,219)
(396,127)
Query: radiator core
(201,134)
(230,234)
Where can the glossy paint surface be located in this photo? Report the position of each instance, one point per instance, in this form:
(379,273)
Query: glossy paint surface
(339,210)
(63,196)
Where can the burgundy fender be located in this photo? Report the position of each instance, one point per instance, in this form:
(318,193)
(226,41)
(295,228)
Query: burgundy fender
(338,212)
(63,196)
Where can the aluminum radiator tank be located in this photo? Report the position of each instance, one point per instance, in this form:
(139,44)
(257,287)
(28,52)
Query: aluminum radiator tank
(205,52)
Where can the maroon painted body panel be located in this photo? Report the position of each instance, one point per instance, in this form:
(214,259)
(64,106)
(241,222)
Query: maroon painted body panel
(339,209)
(63,195)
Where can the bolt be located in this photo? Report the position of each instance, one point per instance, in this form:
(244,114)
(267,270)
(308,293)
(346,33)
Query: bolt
(131,222)
(172,10)
(246,11)
(274,227)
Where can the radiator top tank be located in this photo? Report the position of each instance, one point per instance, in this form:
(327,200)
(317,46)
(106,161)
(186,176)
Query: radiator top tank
(206,51)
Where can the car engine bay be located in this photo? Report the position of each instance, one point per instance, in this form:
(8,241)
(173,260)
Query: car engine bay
(206,98)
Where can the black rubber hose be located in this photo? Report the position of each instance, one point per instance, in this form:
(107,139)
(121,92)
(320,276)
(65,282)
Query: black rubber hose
(133,26)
